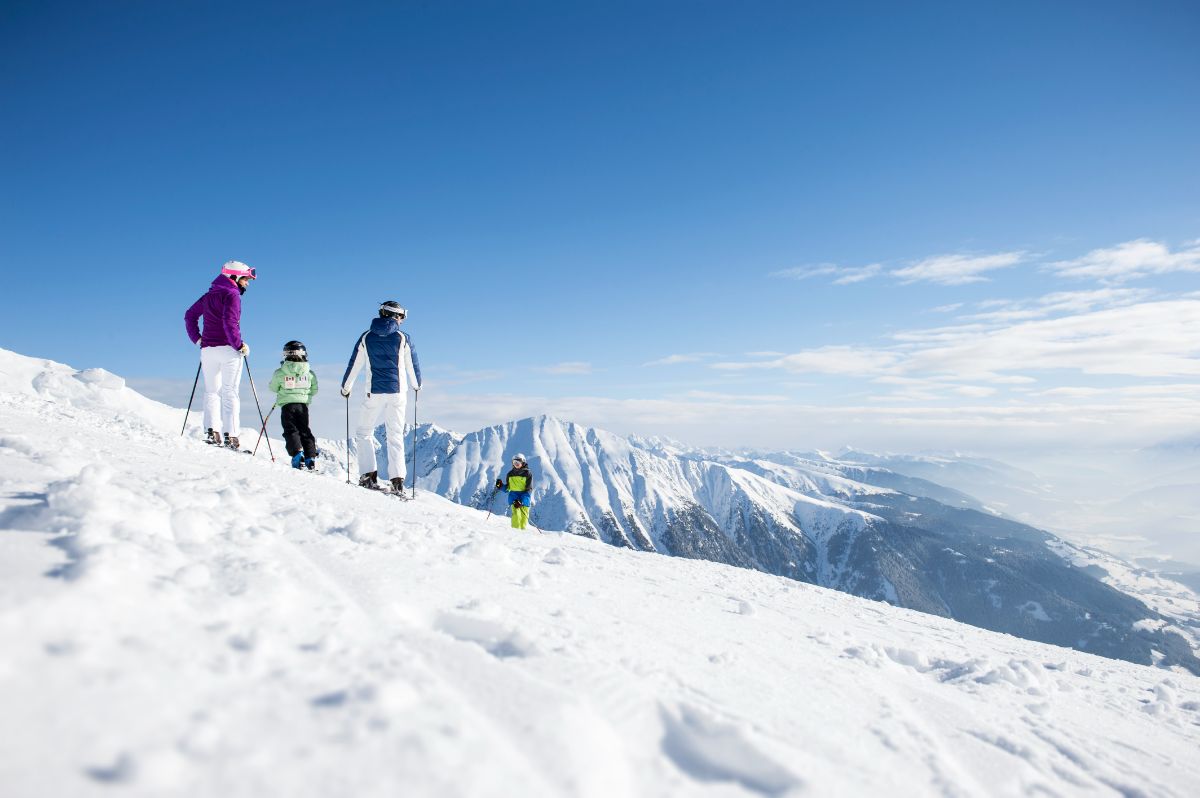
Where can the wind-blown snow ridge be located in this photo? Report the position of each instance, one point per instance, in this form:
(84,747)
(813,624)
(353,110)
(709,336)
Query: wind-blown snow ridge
(178,620)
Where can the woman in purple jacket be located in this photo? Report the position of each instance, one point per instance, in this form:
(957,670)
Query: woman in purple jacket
(221,349)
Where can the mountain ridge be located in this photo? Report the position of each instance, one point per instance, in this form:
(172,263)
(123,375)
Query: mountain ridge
(809,521)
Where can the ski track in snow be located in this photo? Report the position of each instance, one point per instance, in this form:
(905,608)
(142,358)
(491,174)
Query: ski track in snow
(179,620)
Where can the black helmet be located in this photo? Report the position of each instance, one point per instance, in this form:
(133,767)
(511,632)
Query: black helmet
(392,310)
(294,350)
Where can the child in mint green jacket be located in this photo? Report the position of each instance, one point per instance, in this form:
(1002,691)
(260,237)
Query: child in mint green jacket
(295,384)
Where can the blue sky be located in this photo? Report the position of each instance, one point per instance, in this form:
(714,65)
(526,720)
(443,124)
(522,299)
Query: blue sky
(931,225)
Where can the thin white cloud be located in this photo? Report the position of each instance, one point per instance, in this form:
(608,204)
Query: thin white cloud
(1009,379)
(1072,392)
(672,360)
(846,360)
(1058,303)
(1150,339)
(933,335)
(1131,260)
(570,367)
(919,389)
(806,272)
(973,391)
(715,396)
(958,269)
(895,379)
(1127,261)
(1180,389)
(849,276)
(843,275)
(947,381)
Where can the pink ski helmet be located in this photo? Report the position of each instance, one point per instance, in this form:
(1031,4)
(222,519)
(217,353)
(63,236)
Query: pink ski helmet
(236,269)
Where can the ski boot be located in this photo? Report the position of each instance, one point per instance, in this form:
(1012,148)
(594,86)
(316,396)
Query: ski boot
(311,462)
(212,437)
(297,459)
(370,481)
(231,442)
(398,485)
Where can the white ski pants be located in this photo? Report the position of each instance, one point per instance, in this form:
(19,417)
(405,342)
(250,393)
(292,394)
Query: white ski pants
(390,408)
(222,367)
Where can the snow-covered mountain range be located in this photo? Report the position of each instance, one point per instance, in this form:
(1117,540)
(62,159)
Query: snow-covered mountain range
(850,525)
(182,620)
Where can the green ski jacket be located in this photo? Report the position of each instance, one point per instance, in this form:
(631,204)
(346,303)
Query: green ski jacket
(293,382)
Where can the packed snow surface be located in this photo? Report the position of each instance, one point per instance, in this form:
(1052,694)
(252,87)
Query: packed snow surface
(181,620)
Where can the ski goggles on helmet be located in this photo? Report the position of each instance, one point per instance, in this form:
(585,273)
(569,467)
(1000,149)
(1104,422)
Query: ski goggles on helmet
(237,269)
(394,310)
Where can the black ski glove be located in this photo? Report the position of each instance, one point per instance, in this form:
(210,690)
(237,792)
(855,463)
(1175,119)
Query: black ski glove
(499,484)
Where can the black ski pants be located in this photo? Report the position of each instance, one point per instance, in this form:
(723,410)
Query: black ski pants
(296,434)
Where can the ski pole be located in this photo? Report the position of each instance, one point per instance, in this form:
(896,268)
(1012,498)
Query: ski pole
(347,440)
(246,358)
(263,430)
(491,499)
(416,395)
(190,398)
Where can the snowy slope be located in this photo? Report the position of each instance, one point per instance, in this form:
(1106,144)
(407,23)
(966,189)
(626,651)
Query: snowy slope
(848,526)
(1178,604)
(178,620)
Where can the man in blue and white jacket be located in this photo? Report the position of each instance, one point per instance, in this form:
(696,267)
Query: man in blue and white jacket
(392,368)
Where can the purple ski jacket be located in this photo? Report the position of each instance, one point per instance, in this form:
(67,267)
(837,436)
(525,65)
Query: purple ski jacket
(221,308)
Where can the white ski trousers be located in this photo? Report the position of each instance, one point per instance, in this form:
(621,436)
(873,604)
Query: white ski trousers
(222,367)
(390,408)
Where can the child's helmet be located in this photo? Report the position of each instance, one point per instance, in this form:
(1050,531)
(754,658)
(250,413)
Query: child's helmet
(294,350)
(520,458)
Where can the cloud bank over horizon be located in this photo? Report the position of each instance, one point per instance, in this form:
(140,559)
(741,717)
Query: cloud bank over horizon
(1114,364)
